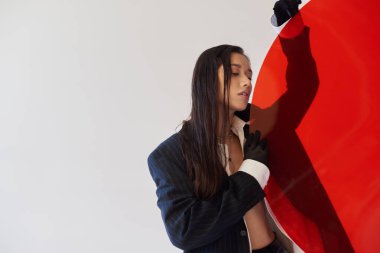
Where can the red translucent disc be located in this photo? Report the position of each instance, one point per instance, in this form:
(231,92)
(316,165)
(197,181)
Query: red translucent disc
(322,123)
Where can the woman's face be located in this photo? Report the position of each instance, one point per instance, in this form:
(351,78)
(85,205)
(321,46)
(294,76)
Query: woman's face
(240,85)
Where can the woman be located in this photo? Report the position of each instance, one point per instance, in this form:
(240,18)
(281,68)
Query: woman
(209,178)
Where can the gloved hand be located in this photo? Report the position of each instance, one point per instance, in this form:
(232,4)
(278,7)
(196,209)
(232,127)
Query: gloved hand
(256,149)
(285,9)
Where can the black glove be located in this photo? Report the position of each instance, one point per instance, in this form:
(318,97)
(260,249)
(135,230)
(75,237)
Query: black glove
(285,9)
(256,149)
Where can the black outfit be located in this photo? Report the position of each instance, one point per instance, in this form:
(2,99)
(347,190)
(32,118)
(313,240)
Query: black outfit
(200,226)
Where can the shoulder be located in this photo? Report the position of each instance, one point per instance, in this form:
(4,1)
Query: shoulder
(166,162)
(168,148)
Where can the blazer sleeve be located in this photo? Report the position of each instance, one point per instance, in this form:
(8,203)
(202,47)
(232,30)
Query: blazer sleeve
(191,222)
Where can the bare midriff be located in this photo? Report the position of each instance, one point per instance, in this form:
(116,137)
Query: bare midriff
(259,230)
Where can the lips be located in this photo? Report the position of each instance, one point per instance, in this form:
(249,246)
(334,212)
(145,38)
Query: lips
(245,93)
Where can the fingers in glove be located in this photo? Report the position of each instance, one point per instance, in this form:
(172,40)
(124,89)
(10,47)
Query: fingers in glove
(292,7)
(256,140)
(249,139)
(263,144)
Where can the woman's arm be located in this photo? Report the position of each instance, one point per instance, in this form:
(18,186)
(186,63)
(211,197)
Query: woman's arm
(190,222)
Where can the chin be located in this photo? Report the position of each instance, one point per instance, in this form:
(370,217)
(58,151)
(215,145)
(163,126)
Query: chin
(239,107)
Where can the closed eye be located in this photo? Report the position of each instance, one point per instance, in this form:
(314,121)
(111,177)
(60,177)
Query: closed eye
(236,74)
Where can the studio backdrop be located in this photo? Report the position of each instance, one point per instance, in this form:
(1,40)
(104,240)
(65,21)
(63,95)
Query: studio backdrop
(89,88)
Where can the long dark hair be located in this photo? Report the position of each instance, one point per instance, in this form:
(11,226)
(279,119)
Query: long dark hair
(199,134)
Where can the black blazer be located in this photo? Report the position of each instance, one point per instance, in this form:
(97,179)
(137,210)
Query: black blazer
(194,225)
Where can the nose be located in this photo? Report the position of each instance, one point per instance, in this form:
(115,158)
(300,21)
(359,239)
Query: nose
(246,82)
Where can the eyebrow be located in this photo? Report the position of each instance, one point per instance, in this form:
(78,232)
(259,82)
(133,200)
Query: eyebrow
(238,65)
